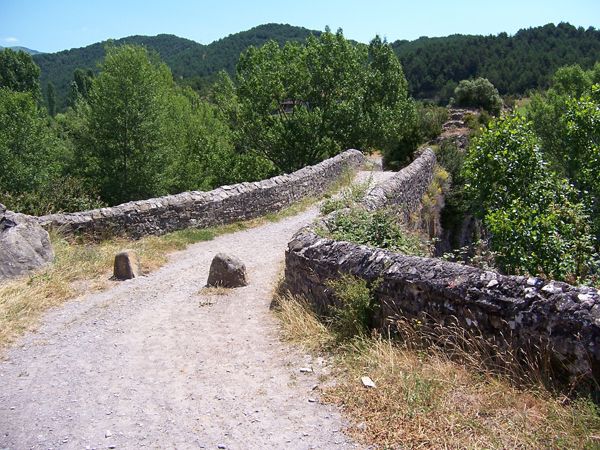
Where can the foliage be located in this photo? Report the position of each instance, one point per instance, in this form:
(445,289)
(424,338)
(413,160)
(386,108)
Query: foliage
(514,64)
(51,99)
(452,158)
(27,147)
(192,63)
(59,193)
(537,224)
(548,114)
(299,104)
(376,229)
(478,93)
(353,314)
(19,73)
(126,125)
(433,66)
(430,119)
(566,120)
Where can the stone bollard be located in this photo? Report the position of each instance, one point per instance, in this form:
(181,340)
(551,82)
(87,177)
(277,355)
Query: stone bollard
(127,265)
(227,271)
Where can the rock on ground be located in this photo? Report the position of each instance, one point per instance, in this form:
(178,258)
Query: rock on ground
(126,266)
(227,271)
(24,244)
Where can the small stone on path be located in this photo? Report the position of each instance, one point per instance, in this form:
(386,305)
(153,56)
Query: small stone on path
(227,271)
(127,265)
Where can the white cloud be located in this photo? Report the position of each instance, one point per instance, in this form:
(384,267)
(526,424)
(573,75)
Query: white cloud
(11,40)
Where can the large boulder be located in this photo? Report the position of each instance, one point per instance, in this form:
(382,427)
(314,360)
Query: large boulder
(227,271)
(24,244)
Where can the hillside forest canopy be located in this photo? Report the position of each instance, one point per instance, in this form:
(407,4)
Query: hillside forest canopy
(433,67)
(132,130)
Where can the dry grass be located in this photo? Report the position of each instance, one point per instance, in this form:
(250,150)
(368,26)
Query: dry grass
(214,291)
(426,399)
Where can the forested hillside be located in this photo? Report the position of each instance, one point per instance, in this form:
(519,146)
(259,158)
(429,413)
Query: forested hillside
(189,61)
(514,64)
(433,66)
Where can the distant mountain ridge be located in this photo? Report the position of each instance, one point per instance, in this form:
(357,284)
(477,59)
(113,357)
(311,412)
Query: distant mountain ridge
(433,66)
(17,48)
(190,61)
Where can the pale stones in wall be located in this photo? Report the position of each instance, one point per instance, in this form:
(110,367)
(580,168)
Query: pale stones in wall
(223,205)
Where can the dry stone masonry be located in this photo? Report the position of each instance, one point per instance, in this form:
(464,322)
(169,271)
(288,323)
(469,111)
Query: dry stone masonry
(521,311)
(204,209)
(405,189)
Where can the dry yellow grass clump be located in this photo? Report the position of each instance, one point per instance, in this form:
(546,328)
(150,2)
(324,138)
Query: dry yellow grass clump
(425,399)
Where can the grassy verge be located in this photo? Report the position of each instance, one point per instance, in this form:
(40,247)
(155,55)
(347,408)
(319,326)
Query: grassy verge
(81,267)
(426,399)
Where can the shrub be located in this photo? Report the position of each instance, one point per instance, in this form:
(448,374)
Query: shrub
(353,315)
(478,93)
(376,229)
(430,120)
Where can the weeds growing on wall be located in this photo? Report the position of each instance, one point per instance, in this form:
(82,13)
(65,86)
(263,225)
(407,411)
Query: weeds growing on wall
(353,315)
(379,229)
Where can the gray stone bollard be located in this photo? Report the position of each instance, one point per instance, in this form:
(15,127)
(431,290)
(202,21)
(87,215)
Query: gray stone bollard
(227,271)
(127,265)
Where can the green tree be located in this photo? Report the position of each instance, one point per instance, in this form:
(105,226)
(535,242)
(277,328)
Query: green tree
(478,93)
(19,73)
(51,98)
(128,144)
(536,222)
(25,143)
(299,104)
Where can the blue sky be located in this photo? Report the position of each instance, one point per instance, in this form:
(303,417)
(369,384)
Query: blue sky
(57,25)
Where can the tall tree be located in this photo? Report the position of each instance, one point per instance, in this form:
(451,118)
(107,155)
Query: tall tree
(127,106)
(51,98)
(18,72)
(302,103)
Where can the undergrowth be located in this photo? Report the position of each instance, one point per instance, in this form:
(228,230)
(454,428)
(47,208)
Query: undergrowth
(429,393)
(379,229)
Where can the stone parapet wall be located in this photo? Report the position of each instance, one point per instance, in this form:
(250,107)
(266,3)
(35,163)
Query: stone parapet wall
(524,311)
(516,310)
(223,205)
(405,189)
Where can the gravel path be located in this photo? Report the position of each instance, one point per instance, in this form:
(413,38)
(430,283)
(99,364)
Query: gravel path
(155,362)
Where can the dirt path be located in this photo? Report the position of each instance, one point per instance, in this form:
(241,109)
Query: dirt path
(155,363)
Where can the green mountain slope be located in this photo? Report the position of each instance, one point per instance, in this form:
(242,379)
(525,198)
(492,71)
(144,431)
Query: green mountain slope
(18,48)
(432,66)
(514,64)
(193,62)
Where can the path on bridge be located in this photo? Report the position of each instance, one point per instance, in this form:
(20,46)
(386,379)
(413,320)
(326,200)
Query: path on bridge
(153,362)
